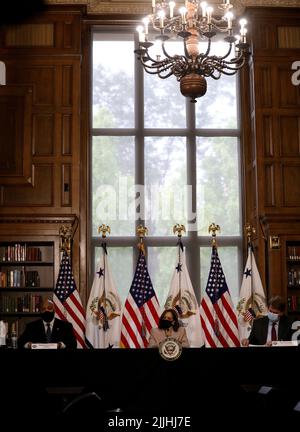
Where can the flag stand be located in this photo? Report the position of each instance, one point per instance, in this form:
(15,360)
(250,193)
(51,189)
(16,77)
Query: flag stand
(65,239)
(214,228)
(104,229)
(179,229)
(142,231)
(249,231)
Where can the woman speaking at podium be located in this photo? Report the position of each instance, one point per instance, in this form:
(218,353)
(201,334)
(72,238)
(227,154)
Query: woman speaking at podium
(168,328)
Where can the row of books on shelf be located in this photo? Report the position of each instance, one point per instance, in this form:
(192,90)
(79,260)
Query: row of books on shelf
(19,278)
(293,253)
(293,303)
(25,303)
(20,252)
(294,278)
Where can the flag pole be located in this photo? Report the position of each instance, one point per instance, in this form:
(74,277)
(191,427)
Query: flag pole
(65,241)
(179,229)
(213,229)
(103,230)
(249,231)
(142,231)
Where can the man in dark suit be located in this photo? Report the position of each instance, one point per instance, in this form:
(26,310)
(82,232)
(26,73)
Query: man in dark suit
(48,330)
(275,326)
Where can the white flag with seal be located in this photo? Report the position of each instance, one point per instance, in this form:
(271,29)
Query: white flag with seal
(252,303)
(182,298)
(103,313)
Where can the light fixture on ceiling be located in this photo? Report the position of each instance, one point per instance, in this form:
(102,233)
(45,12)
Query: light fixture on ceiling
(194,24)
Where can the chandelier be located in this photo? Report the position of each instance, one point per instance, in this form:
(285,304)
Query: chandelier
(194,24)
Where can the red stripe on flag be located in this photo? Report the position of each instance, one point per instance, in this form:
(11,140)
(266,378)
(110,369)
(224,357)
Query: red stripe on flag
(208,337)
(153,309)
(78,318)
(225,325)
(131,333)
(211,319)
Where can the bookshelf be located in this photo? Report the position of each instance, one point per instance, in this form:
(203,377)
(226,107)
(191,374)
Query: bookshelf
(26,277)
(293,277)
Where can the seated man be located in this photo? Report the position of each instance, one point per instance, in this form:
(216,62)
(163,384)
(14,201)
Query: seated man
(48,330)
(275,326)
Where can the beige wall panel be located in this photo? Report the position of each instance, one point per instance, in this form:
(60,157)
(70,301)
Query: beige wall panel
(43,134)
(288,37)
(264,86)
(262,38)
(30,35)
(267,133)
(67,86)
(68,35)
(289,133)
(41,78)
(15,135)
(66,135)
(291,182)
(41,194)
(289,94)
(66,186)
(269,185)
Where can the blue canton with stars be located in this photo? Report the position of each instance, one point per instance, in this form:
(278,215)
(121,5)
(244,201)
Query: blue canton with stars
(216,284)
(141,288)
(65,284)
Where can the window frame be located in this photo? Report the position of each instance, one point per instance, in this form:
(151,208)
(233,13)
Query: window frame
(192,240)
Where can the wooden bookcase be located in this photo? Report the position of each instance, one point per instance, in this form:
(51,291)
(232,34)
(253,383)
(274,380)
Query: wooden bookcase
(293,277)
(27,275)
(29,265)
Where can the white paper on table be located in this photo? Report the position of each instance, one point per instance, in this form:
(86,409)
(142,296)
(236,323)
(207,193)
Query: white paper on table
(44,346)
(285,343)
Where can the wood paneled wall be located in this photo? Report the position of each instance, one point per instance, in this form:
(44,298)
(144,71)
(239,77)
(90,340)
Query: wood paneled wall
(272,138)
(40,124)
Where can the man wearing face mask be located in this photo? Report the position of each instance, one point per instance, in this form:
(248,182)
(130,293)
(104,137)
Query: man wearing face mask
(168,327)
(48,330)
(275,326)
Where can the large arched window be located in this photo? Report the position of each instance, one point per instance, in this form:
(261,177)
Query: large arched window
(158,159)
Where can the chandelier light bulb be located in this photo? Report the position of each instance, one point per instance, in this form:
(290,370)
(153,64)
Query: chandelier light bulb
(171,6)
(203,8)
(193,23)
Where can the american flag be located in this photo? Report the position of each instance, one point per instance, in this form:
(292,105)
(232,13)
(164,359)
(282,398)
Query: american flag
(249,315)
(67,303)
(141,309)
(218,317)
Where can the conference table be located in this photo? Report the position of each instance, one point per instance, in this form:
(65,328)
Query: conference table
(141,382)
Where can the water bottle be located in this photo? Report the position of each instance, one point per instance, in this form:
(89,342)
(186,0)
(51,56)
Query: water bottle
(14,339)
(3,333)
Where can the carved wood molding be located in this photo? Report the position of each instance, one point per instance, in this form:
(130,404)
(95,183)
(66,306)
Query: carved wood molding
(144,6)
(33,226)
(38,219)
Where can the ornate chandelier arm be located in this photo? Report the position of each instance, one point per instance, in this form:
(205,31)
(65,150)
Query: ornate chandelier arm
(204,55)
(228,52)
(165,51)
(156,65)
(226,70)
(148,57)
